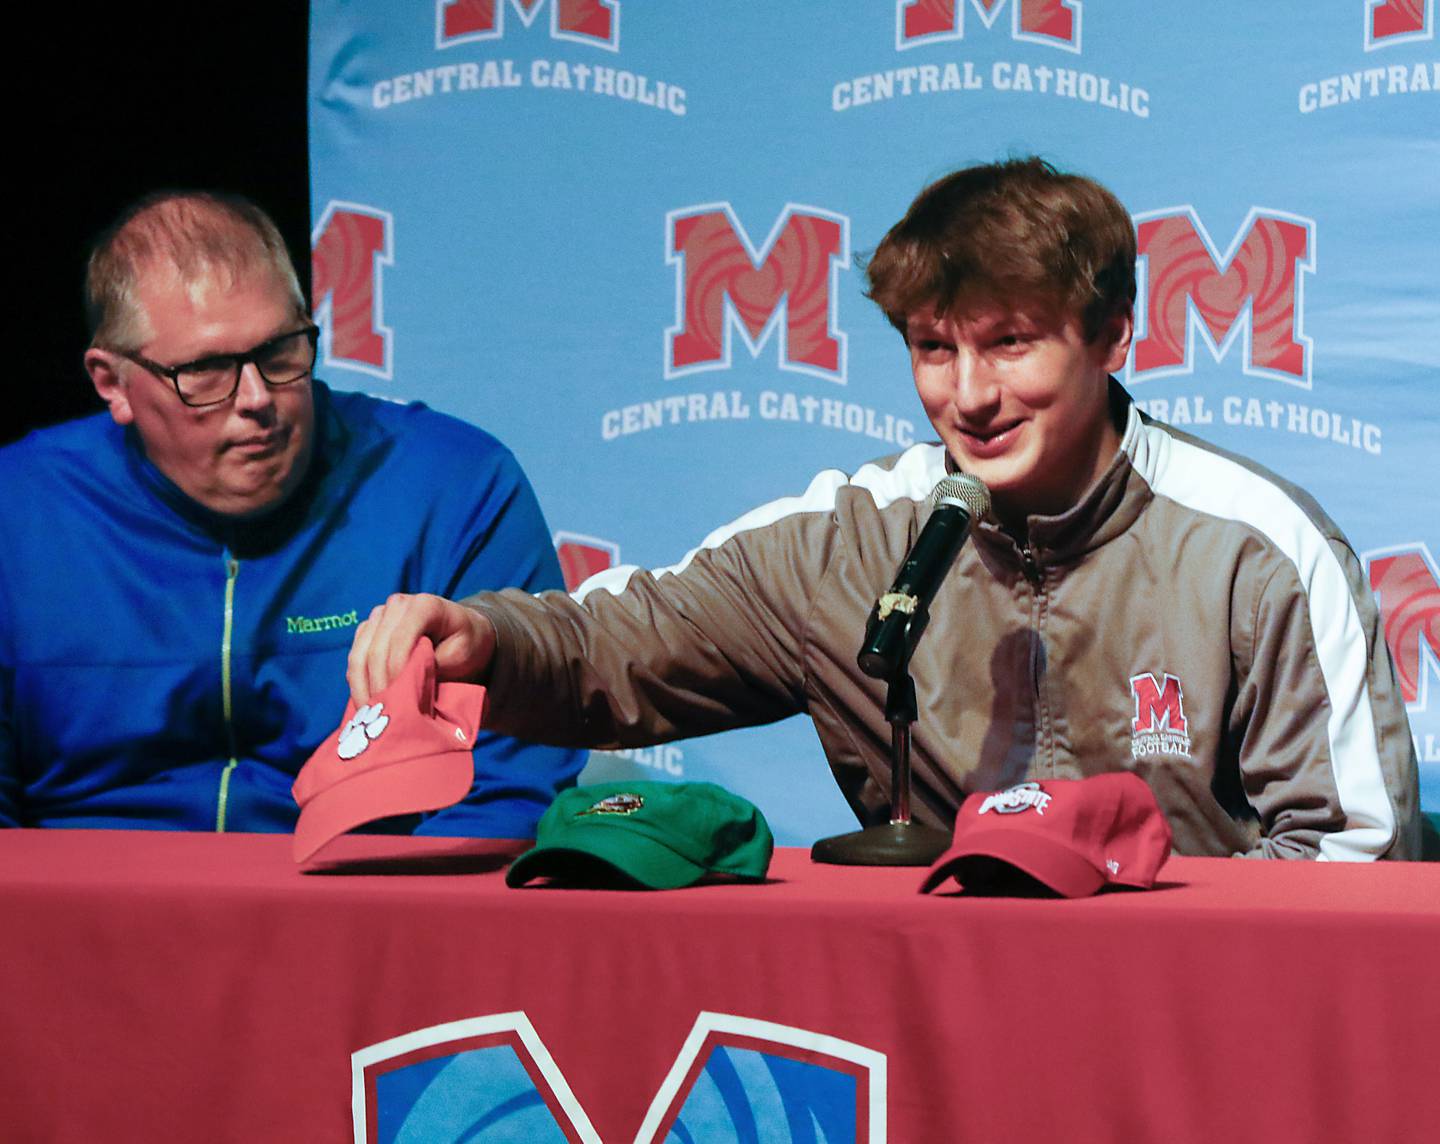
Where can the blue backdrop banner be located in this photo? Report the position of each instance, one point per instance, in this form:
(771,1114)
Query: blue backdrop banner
(622,235)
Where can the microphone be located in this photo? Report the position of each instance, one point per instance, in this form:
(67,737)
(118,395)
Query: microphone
(900,615)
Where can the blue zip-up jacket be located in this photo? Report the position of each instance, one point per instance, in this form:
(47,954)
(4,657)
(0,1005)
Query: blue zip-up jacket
(165,667)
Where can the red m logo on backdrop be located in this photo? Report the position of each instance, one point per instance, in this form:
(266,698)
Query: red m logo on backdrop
(1398,22)
(1158,706)
(593,22)
(1254,292)
(1406,584)
(348,247)
(1052,22)
(582,556)
(722,284)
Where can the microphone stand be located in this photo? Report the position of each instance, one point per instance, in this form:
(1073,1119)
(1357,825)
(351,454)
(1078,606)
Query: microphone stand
(900,842)
(894,628)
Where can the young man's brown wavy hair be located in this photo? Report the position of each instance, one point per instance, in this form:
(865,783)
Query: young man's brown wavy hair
(1017,230)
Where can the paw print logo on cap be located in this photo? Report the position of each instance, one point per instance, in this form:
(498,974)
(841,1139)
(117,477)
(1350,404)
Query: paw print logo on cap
(366,724)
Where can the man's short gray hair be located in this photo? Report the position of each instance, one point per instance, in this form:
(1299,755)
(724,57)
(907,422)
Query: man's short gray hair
(194,234)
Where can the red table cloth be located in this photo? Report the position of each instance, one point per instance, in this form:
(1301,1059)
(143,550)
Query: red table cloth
(186,987)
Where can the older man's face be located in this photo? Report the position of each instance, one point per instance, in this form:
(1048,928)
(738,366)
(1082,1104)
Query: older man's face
(244,455)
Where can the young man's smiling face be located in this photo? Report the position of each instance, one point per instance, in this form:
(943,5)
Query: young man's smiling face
(1020,400)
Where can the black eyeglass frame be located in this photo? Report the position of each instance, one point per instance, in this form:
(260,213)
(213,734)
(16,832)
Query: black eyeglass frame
(171,373)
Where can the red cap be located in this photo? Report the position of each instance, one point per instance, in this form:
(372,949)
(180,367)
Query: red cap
(407,750)
(1073,835)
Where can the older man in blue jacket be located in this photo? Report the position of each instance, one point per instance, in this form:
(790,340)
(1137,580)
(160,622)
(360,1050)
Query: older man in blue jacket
(181,578)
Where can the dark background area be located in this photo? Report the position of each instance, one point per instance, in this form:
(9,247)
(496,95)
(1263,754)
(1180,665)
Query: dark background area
(135,98)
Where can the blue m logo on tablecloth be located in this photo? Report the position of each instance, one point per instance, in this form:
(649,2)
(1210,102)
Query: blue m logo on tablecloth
(735,1080)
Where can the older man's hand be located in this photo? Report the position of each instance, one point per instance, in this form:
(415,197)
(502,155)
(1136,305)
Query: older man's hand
(464,642)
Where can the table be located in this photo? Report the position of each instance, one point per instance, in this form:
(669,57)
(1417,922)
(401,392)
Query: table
(180,987)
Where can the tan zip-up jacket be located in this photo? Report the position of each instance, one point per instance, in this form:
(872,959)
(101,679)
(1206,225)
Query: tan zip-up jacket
(1193,619)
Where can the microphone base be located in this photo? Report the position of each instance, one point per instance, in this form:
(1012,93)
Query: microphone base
(891,844)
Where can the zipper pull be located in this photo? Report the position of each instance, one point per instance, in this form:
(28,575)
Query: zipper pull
(1031,567)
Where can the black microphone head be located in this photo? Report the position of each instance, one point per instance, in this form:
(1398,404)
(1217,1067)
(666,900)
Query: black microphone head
(965,490)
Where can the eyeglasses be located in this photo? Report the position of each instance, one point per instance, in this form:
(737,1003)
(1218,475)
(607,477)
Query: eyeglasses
(209,381)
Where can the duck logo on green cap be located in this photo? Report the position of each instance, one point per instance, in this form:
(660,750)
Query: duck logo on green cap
(652,835)
(617,804)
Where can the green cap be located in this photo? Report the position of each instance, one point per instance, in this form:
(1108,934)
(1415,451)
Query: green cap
(661,835)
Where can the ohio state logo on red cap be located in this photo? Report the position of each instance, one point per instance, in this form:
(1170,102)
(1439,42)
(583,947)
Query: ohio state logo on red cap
(1019,798)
